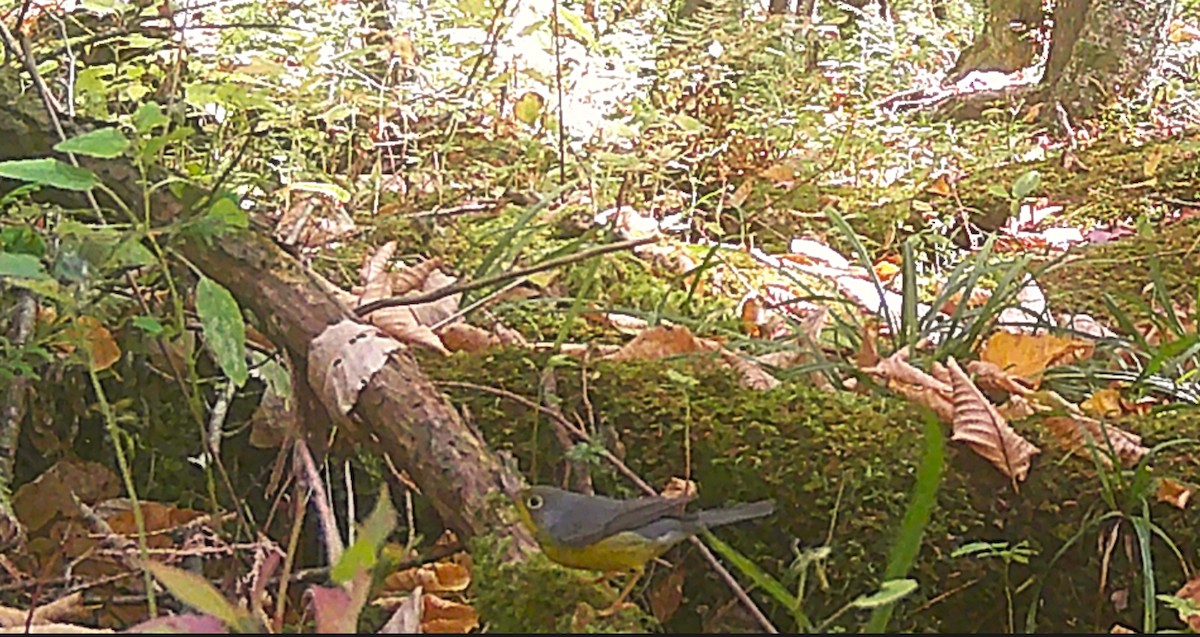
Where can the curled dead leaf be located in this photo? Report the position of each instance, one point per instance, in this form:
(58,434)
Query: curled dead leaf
(977,423)
(1073,433)
(444,616)
(437,577)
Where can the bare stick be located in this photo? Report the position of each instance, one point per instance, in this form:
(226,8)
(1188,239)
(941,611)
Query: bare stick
(465,286)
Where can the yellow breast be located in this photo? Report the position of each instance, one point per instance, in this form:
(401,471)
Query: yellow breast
(621,552)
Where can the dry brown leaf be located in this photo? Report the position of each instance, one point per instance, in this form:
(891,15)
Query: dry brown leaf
(375,266)
(1191,591)
(1018,408)
(464,337)
(680,488)
(663,341)
(437,577)
(98,342)
(70,606)
(1118,629)
(1073,433)
(1028,355)
(742,193)
(665,598)
(1173,492)
(343,359)
(399,323)
(977,423)
(990,376)
(752,375)
(938,401)
(444,616)
(415,277)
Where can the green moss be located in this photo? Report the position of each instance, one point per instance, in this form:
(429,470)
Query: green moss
(840,467)
(539,596)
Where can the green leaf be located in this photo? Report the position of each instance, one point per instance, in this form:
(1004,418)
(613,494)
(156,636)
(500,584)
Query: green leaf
(222,217)
(25,266)
(889,592)
(148,324)
(916,517)
(529,107)
(764,580)
(22,240)
(362,555)
(1026,184)
(998,190)
(224,329)
(49,172)
(195,591)
(105,143)
(148,117)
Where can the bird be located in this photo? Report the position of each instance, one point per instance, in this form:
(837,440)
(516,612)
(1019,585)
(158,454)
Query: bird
(597,533)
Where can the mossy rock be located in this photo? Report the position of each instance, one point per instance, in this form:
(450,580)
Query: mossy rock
(840,467)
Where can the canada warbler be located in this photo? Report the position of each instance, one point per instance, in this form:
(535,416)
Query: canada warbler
(596,533)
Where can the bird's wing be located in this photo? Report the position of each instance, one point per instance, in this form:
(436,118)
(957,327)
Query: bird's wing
(638,513)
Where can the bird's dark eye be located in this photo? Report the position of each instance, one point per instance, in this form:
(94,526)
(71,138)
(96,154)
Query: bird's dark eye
(534,502)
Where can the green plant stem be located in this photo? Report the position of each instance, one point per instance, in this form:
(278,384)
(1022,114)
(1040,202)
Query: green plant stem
(114,433)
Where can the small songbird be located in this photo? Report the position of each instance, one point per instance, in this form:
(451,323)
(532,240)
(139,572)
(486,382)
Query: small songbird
(596,533)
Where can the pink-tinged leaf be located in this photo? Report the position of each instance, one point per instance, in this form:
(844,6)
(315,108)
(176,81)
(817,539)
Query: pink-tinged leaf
(187,623)
(333,610)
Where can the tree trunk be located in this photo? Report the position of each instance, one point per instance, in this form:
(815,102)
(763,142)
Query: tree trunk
(1006,44)
(1103,51)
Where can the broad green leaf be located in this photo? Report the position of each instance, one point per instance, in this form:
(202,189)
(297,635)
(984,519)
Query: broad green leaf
(998,190)
(26,266)
(148,117)
(1026,184)
(195,591)
(22,240)
(105,143)
(361,555)
(223,216)
(49,172)
(224,329)
(889,592)
(529,107)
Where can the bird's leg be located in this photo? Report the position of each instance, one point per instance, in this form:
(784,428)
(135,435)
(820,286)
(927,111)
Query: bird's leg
(603,578)
(620,603)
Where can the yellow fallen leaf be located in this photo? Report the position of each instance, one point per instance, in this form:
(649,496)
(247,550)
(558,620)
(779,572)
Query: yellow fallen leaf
(1103,403)
(1028,355)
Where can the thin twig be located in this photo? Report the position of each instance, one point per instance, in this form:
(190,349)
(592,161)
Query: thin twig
(466,286)
(624,470)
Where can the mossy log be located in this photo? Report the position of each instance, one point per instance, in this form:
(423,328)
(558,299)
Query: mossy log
(841,467)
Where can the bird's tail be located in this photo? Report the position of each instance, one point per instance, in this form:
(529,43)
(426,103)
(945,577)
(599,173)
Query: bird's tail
(728,515)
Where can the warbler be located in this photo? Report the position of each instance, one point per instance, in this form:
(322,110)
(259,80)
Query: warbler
(596,533)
